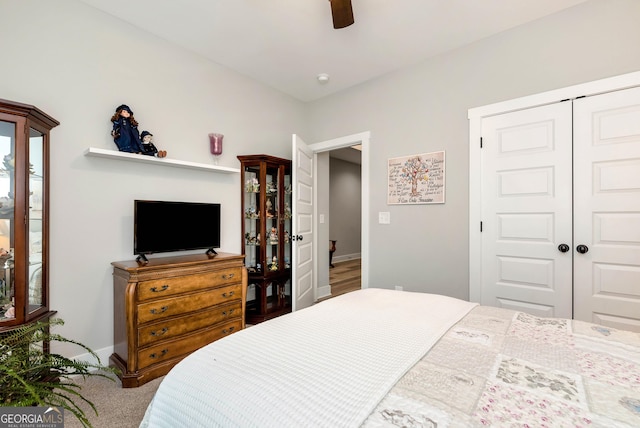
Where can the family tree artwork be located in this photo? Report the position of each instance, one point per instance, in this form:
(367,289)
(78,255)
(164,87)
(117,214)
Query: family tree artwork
(416,179)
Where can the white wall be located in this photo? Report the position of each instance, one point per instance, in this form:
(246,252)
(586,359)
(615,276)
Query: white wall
(78,64)
(424,108)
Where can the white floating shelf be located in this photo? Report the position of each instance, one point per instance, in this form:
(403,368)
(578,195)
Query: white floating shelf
(114,154)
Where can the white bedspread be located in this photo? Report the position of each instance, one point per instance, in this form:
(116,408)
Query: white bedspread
(325,366)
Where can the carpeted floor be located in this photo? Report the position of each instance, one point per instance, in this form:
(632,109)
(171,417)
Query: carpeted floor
(117,407)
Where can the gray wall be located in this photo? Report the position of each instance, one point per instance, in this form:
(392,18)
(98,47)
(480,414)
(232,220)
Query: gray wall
(322,233)
(345,198)
(77,64)
(424,108)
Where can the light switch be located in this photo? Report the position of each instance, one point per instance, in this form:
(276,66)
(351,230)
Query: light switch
(321,218)
(384,217)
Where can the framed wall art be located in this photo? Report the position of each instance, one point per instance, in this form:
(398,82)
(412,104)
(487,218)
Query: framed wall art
(416,179)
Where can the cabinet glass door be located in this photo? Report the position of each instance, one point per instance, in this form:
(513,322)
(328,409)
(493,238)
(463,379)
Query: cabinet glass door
(7,203)
(286,220)
(35,215)
(252,219)
(272,211)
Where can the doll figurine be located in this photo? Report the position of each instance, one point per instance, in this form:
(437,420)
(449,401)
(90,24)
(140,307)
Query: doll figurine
(148,148)
(125,130)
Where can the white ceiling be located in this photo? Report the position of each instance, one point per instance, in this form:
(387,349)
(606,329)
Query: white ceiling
(287,43)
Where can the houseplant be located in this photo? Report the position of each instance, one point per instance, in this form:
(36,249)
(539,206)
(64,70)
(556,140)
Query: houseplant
(31,376)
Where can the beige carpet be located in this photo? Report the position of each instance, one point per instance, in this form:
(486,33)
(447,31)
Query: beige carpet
(117,407)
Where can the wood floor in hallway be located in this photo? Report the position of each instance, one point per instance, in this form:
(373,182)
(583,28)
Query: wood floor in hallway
(345,277)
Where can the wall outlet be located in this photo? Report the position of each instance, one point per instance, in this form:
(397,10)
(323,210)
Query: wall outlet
(398,287)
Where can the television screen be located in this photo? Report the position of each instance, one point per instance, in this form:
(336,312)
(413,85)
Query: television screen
(161,226)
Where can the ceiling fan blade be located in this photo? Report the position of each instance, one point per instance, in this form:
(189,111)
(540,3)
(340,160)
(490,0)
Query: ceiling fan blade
(342,13)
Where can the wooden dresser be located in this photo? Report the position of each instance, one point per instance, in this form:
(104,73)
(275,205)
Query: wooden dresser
(170,307)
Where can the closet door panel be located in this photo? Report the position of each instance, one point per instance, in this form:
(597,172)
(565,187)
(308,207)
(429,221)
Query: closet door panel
(526,210)
(607,209)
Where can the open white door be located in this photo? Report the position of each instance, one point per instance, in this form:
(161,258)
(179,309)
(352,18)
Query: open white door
(302,291)
(303,170)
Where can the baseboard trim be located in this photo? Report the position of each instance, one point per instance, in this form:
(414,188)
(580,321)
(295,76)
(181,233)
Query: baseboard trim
(103,354)
(323,292)
(346,257)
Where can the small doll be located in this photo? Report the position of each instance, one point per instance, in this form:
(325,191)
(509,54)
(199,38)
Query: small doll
(148,148)
(269,208)
(9,310)
(125,130)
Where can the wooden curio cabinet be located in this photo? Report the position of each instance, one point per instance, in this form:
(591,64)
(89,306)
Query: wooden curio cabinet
(24,213)
(266,228)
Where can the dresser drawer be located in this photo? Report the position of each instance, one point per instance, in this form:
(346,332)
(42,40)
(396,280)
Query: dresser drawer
(182,304)
(170,349)
(174,327)
(160,288)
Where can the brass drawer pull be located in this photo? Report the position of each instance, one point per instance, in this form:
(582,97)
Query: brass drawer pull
(229,330)
(228,313)
(156,311)
(229,294)
(229,276)
(159,290)
(162,354)
(159,333)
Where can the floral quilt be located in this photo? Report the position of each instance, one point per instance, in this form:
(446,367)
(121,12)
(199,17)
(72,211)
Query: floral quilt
(502,368)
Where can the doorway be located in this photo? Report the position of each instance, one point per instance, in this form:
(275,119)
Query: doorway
(344,220)
(322,152)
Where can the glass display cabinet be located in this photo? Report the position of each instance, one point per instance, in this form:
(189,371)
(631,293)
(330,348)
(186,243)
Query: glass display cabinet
(266,228)
(24,203)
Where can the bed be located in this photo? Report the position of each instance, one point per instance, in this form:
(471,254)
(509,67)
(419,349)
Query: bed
(383,358)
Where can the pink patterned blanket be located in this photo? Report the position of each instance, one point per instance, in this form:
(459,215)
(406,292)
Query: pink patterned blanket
(501,368)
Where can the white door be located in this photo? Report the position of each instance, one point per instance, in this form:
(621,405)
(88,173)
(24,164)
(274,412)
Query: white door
(302,251)
(526,210)
(607,209)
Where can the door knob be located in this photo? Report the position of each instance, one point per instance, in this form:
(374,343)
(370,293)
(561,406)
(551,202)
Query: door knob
(563,248)
(582,249)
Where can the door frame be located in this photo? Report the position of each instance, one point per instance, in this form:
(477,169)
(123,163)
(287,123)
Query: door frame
(475,116)
(364,139)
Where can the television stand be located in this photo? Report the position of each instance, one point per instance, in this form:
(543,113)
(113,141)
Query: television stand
(142,259)
(170,307)
(211,252)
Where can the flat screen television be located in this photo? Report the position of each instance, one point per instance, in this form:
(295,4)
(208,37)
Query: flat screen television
(163,226)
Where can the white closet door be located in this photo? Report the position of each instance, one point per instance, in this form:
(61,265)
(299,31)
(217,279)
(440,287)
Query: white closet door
(526,212)
(607,209)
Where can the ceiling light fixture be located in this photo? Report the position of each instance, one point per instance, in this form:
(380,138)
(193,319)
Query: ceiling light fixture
(323,78)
